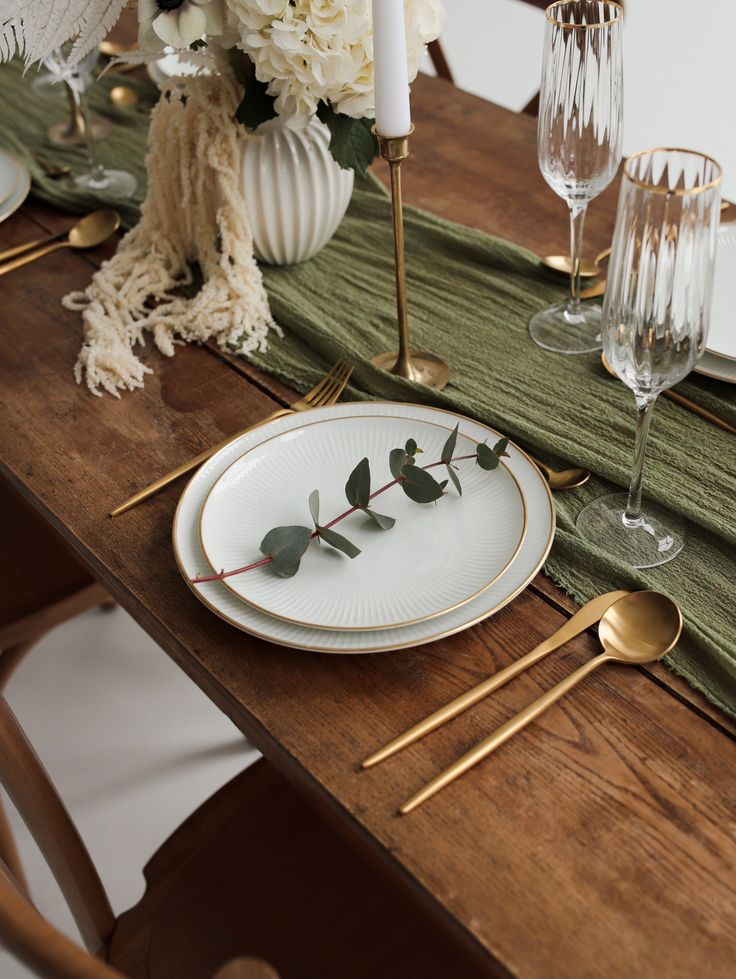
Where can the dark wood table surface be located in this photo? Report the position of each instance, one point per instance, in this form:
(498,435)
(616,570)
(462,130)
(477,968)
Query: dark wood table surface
(600,841)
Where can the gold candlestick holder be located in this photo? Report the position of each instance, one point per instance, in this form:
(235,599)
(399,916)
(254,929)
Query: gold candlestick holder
(414,365)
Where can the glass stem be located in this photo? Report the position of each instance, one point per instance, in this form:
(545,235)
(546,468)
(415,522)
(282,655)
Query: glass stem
(96,168)
(632,516)
(577,220)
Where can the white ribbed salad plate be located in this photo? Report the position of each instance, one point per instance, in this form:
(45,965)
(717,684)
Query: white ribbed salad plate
(436,557)
(532,553)
(15,182)
(720,368)
(722,332)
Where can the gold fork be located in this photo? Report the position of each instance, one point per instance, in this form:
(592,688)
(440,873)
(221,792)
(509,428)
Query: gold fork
(322,395)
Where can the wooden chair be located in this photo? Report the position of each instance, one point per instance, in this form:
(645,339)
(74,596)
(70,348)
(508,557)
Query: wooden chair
(253,872)
(43,585)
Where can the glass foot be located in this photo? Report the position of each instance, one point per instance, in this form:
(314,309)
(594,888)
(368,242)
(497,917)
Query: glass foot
(658,537)
(561,332)
(117,183)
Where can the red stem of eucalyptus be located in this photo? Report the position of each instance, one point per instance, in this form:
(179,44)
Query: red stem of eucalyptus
(353,509)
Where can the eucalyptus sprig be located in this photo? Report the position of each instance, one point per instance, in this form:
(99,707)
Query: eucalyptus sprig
(284,547)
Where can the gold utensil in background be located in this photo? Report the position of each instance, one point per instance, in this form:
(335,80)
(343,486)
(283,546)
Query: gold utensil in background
(596,290)
(583,619)
(563,264)
(684,402)
(87,233)
(563,479)
(124,97)
(639,628)
(323,394)
(51,169)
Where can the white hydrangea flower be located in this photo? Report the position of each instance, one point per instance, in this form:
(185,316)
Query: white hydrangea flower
(308,51)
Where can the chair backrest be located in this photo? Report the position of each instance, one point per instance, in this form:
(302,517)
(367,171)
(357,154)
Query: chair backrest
(23,930)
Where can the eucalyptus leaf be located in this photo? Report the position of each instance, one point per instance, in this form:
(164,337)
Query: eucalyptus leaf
(384,522)
(419,485)
(455,481)
(338,541)
(411,447)
(285,546)
(449,448)
(314,506)
(397,459)
(358,486)
(499,449)
(485,457)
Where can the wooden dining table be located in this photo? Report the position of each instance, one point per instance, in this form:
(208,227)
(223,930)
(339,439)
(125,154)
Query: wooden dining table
(599,842)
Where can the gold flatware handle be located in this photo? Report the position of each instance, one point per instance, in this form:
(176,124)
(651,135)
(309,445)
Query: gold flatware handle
(191,464)
(26,259)
(502,734)
(597,290)
(703,412)
(583,619)
(29,246)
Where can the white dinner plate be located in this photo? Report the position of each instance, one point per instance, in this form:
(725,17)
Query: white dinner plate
(722,331)
(533,551)
(15,182)
(720,368)
(435,558)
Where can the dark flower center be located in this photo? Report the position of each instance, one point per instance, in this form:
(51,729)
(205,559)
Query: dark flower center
(167,5)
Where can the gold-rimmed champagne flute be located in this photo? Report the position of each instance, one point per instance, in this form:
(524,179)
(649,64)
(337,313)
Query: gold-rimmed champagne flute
(579,139)
(655,324)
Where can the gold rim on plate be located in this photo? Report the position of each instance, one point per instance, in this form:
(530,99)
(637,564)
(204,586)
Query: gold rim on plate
(392,646)
(23,177)
(364,628)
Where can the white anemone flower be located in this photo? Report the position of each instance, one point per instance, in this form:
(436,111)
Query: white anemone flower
(178,23)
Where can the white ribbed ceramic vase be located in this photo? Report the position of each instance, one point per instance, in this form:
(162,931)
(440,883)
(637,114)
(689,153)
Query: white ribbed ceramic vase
(295,193)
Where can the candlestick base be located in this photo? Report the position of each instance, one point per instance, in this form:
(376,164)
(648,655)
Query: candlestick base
(423,368)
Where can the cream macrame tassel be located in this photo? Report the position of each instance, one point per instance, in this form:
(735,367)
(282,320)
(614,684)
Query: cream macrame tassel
(194,212)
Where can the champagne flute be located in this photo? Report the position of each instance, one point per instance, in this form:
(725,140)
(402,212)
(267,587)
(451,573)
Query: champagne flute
(579,144)
(655,324)
(76,77)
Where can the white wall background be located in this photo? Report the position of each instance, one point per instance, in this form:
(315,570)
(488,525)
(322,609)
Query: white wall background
(679,64)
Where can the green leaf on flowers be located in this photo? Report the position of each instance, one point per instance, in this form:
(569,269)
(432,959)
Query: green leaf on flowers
(358,486)
(397,459)
(449,447)
(455,481)
(380,519)
(314,506)
(199,43)
(256,106)
(485,457)
(352,143)
(419,486)
(286,546)
(338,541)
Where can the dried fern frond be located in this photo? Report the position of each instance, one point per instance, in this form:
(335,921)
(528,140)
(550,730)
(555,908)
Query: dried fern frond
(34,28)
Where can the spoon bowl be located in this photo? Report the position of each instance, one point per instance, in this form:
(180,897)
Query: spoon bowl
(124,97)
(94,228)
(563,264)
(640,628)
(562,479)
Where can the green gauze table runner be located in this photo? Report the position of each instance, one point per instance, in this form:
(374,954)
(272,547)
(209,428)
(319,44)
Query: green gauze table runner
(470,298)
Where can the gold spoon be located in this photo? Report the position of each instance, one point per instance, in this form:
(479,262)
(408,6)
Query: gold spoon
(113,49)
(51,169)
(583,619)
(562,479)
(635,630)
(563,263)
(92,230)
(123,97)
(684,402)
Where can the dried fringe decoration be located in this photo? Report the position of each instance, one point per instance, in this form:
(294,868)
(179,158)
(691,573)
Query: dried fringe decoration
(194,212)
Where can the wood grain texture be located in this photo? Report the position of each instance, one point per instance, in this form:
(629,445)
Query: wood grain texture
(599,842)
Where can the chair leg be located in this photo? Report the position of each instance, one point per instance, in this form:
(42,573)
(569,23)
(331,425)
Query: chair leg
(9,660)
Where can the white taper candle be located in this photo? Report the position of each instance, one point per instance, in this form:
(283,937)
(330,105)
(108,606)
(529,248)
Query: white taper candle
(391,77)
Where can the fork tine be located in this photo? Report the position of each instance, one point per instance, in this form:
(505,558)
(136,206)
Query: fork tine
(330,395)
(318,388)
(341,386)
